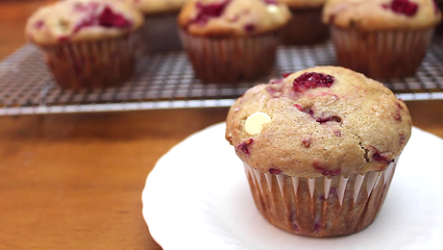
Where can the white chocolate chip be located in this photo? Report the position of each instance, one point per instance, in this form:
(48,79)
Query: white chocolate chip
(272,8)
(254,123)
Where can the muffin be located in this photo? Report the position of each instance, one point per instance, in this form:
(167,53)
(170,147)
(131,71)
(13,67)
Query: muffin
(232,40)
(87,43)
(161,30)
(306,26)
(320,148)
(381,38)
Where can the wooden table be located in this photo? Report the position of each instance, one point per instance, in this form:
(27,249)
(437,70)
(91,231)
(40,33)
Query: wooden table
(74,181)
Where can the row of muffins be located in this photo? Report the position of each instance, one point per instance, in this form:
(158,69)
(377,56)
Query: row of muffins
(93,43)
(311,131)
(380,38)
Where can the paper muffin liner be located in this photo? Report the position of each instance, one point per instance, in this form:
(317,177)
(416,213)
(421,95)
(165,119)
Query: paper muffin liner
(161,32)
(229,60)
(93,64)
(320,207)
(381,54)
(305,27)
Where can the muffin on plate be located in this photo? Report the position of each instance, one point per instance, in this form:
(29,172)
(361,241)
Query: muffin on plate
(319,148)
(306,26)
(381,38)
(87,43)
(232,40)
(161,30)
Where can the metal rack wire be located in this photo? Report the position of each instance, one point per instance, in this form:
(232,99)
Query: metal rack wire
(166,80)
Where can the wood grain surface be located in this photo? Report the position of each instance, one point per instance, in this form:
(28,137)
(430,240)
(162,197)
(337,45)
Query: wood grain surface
(13,16)
(74,181)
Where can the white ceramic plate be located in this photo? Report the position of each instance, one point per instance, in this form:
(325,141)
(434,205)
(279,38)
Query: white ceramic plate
(197,197)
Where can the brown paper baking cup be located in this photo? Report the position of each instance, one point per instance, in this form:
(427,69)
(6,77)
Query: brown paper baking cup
(229,60)
(320,207)
(93,64)
(381,54)
(161,32)
(305,27)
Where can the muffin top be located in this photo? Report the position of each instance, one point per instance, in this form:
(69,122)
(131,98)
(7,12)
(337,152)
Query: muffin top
(231,18)
(81,20)
(320,121)
(157,6)
(381,14)
(303,3)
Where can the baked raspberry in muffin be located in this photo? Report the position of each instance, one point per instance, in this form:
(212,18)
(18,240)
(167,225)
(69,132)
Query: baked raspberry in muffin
(160,28)
(320,148)
(381,38)
(87,43)
(306,26)
(232,40)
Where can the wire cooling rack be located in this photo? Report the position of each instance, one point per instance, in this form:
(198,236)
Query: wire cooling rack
(166,80)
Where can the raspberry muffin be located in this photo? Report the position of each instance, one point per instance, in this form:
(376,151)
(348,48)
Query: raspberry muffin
(87,43)
(319,148)
(161,30)
(306,26)
(232,40)
(381,38)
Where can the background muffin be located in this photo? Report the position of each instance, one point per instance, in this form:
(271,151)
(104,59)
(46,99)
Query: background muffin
(232,40)
(306,26)
(381,38)
(161,31)
(87,43)
(319,148)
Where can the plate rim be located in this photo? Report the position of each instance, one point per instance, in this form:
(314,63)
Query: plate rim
(156,232)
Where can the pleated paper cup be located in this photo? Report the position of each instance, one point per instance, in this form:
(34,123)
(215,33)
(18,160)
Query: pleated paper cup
(381,54)
(320,207)
(230,60)
(305,27)
(93,64)
(161,32)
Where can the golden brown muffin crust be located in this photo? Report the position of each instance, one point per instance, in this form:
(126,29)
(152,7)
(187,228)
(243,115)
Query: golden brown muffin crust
(353,126)
(381,14)
(231,18)
(81,20)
